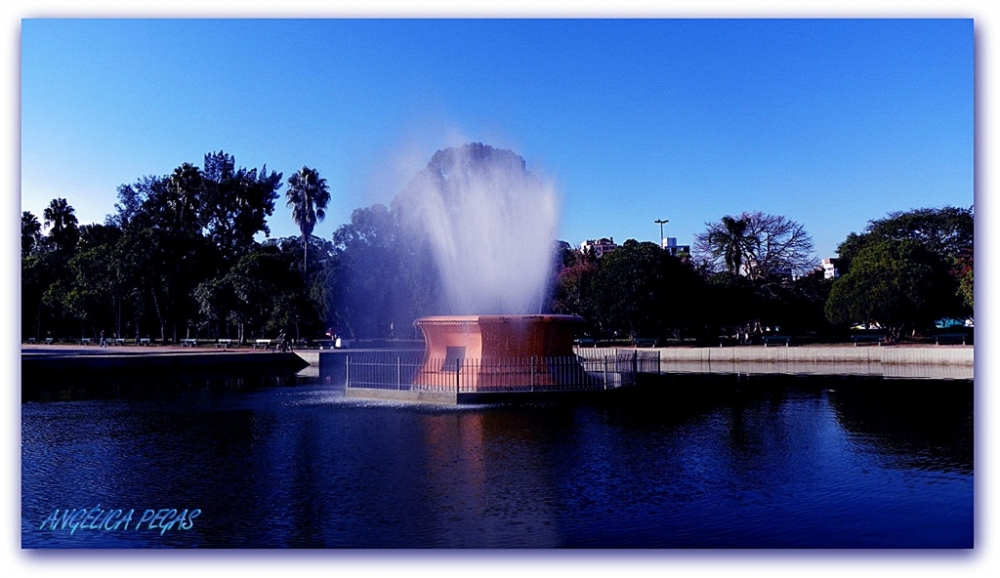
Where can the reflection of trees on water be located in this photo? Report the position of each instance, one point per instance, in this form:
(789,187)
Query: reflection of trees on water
(910,424)
(770,439)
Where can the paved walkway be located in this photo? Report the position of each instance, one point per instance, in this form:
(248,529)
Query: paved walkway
(69,349)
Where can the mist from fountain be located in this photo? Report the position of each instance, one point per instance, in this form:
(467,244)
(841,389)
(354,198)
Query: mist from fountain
(490,226)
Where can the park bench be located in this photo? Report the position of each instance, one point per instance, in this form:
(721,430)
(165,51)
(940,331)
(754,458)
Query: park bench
(85,341)
(262,343)
(31,340)
(119,341)
(142,341)
(223,343)
(646,342)
(189,342)
(769,339)
(586,342)
(868,338)
(49,341)
(950,338)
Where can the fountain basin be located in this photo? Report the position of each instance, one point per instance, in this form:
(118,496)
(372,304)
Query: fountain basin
(498,351)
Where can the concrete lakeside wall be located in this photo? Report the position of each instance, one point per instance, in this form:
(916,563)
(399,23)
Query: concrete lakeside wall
(309,356)
(908,362)
(39,366)
(931,362)
(946,355)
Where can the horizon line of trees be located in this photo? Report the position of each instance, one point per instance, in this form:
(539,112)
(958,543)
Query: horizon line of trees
(753,272)
(179,259)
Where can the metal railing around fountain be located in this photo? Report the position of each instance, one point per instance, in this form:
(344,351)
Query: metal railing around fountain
(645,361)
(467,375)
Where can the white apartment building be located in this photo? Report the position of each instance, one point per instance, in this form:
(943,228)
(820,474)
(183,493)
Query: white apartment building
(830,268)
(599,246)
(670,244)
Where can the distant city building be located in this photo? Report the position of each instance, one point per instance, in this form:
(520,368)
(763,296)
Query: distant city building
(830,268)
(670,244)
(599,247)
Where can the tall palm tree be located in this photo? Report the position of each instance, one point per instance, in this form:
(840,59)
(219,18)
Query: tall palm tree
(308,196)
(31,232)
(730,242)
(61,217)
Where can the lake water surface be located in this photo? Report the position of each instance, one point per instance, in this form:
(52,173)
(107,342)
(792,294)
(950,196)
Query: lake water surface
(279,461)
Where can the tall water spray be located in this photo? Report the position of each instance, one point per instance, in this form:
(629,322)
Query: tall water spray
(490,226)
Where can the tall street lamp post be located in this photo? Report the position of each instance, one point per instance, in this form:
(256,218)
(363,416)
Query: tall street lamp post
(661,222)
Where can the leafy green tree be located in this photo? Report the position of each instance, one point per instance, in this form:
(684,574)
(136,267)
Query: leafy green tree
(46,275)
(299,309)
(750,262)
(139,275)
(963,272)
(176,265)
(642,290)
(730,306)
(269,293)
(166,243)
(307,195)
(795,306)
(130,211)
(181,205)
(94,235)
(947,231)
(373,293)
(217,308)
(566,255)
(164,257)
(91,297)
(575,292)
(98,286)
(38,272)
(236,204)
(896,285)
(257,279)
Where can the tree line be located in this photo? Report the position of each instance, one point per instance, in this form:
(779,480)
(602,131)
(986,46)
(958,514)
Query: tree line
(177,258)
(180,258)
(753,273)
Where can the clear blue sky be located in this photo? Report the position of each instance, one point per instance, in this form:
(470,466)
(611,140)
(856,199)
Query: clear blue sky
(828,122)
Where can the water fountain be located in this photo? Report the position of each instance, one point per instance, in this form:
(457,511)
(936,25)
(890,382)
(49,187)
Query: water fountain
(490,226)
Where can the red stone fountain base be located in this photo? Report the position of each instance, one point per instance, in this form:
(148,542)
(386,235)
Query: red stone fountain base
(477,352)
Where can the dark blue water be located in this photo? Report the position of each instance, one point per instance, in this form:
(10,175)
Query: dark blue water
(275,462)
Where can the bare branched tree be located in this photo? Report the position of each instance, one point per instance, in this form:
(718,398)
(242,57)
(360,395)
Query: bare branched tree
(756,245)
